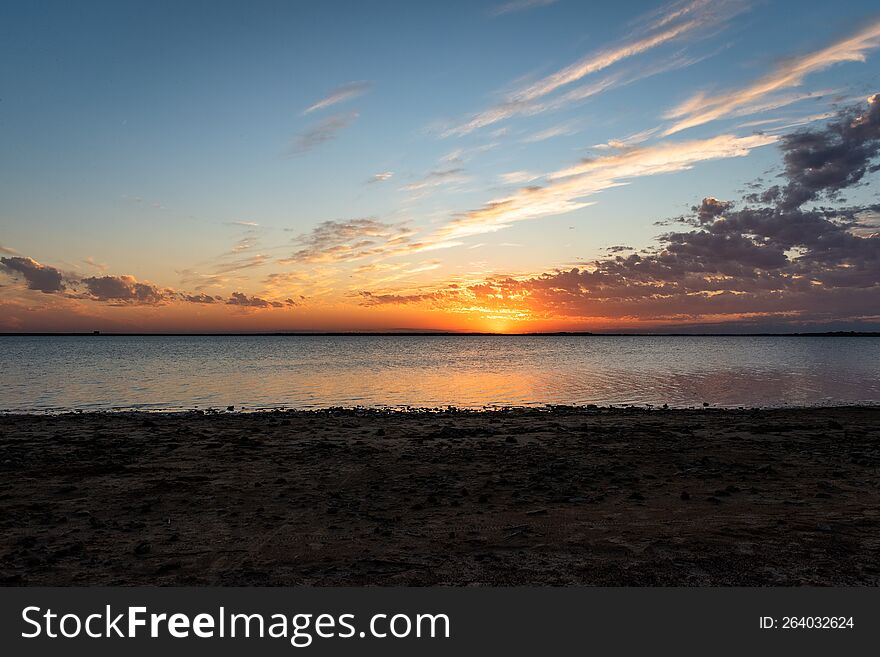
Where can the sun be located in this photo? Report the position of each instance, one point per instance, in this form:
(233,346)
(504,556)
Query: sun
(497,325)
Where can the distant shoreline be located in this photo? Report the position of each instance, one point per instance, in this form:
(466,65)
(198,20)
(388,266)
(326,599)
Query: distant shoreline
(380,412)
(432,334)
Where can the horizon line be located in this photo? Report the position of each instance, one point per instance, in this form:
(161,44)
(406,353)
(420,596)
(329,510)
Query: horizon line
(430,333)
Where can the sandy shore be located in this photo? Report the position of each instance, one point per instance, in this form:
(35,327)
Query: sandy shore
(572,496)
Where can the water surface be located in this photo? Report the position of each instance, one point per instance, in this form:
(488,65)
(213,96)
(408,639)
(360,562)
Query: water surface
(160,372)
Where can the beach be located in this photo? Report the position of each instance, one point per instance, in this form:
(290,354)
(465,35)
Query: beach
(559,496)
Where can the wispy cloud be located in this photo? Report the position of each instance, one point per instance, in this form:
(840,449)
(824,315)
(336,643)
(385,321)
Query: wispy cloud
(628,141)
(769,258)
(436,179)
(569,187)
(786,122)
(380,177)
(340,94)
(91,262)
(518,177)
(696,18)
(461,155)
(560,130)
(321,132)
(344,241)
(703,107)
(516,6)
(251,262)
(598,61)
(669,13)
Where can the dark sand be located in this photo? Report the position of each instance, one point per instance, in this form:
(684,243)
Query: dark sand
(619,497)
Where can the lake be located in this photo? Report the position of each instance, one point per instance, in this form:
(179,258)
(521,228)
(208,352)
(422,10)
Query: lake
(254,372)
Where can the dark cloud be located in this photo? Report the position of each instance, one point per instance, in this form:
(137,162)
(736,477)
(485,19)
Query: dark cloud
(125,290)
(800,264)
(38,277)
(770,257)
(827,160)
(241,299)
(370,299)
(121,290)
(200,298)
(710,209)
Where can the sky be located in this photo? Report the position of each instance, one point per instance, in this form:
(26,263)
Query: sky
(501,166)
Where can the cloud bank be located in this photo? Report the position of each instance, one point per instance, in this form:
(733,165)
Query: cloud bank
(773,256)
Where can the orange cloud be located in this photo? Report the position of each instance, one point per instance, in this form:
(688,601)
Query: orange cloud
(702,108)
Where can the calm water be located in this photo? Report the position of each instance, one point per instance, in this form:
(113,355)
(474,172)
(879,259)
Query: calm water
(54,373)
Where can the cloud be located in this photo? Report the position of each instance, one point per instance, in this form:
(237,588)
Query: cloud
(702,108)
(732,269)
(831,159)
(700,19)
(516,6)
(380,177)
(340,94)
(436,179)
(371,299)
(518,177)
(458,156)
(568,187)
(256,260)
(341,241)
(201,298)
(244,244)
(243,300)
(786,122)
(125,290)
(321,132)
(771,257)
(598,61)
(90,261)
(44,278)
(7,250)
(710,209)
(628,141)
(561,130)
(737,265)
(665,157)
(122,290)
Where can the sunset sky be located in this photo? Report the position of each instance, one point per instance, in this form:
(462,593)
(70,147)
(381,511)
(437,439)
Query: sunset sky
(523,165)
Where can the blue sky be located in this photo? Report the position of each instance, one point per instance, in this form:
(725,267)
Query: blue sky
(169,141)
